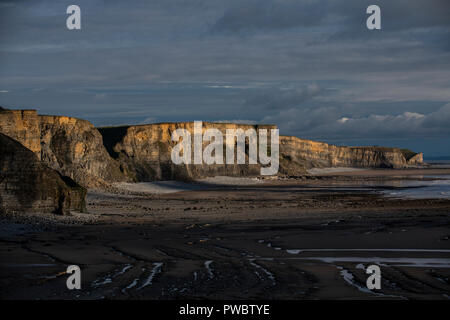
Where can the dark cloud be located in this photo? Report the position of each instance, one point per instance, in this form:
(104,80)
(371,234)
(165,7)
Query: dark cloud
(264,15)
(399,14)
(276,98)
(343,20)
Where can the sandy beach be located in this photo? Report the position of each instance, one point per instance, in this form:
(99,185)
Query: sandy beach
(223,238)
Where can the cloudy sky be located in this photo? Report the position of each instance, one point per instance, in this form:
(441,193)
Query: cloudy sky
(309,66)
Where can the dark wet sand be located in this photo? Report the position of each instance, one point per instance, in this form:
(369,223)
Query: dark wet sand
(232,242)
(391,172)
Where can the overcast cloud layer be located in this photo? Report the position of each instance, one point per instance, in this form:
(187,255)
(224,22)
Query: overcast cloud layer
(311,67)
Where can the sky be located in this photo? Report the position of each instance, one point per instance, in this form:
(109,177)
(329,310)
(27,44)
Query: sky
(309,66)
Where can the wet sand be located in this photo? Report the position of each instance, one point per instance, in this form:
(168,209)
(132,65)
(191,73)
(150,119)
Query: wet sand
(292,239)
(388,172)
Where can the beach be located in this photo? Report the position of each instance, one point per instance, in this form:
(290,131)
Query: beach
(242,238)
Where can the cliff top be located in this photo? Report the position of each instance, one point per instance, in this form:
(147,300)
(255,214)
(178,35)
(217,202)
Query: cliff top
(16,110)
(68,117)
(183,122)
(3,109)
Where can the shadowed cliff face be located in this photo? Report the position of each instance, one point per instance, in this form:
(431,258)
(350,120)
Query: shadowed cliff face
(415,159)
(26,184)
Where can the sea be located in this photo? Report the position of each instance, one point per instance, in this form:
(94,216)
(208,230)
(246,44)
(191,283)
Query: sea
(433,187)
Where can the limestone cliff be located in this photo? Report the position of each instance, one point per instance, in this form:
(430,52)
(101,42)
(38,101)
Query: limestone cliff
(26,184)
(96,157)
(70,145)
(144,151)
(309,154)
